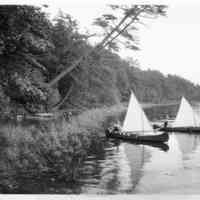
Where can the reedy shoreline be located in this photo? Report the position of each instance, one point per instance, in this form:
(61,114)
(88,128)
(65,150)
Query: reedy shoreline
(52,149)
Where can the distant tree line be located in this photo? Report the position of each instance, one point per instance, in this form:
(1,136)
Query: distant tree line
(34,51)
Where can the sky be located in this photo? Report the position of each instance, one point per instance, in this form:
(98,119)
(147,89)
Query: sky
(169,44)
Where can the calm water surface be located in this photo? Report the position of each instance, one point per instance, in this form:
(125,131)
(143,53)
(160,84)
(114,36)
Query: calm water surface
(119,167)
(134,168)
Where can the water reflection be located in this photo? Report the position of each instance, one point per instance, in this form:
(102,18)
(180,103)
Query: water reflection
(121,167)
(135,156)
(123,175)
(187,144)
(160,166)
(116,167)
(120,170)
(190,148)
(158,145)
(174,171)
(193,160)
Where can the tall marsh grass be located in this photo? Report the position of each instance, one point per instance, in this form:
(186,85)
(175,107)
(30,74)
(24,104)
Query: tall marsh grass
(52,149)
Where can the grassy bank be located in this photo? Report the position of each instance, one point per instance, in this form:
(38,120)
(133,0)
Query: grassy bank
(55,150)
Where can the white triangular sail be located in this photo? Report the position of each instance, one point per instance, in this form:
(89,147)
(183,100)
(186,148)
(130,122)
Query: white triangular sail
(186,116)
(135,119)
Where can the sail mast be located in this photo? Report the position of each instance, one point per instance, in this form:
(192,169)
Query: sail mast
(142,121)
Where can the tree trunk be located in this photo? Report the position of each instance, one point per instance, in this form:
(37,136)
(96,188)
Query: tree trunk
(77,62)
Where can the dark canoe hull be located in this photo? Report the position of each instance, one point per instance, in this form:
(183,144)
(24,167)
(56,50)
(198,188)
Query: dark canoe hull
(160,145)
(163,137)
(181,129)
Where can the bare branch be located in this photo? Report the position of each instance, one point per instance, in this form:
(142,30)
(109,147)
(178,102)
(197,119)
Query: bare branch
(121,31)
(77,62)
(31,60)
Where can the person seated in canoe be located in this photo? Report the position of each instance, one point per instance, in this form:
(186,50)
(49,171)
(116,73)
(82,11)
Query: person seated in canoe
(165,124)
(116,128)
(156,126)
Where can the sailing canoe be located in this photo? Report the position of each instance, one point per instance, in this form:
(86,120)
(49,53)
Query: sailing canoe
(181,129)
(136,126)
(163,137)
(186,121)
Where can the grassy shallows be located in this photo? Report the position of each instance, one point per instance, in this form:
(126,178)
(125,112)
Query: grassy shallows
(53,149)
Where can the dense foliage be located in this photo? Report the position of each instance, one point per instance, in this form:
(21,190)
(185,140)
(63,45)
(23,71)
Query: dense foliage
(24,39)
(33,51)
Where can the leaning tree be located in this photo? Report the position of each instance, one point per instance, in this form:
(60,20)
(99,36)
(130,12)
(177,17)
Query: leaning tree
(118,29)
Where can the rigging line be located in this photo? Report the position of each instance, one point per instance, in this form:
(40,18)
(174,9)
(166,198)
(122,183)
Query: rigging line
(142,118)
(193,113)
(195,123)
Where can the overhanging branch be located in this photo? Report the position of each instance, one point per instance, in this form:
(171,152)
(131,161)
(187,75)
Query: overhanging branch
(76,63)
(59,104)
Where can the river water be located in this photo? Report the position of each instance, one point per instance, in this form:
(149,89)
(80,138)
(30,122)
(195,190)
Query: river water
(134,168)
(118,167)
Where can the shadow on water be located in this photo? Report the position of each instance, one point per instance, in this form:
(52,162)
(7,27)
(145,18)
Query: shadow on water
(105,166)
(159,145)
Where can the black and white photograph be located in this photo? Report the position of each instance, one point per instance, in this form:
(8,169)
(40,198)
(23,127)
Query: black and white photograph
(100,98)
